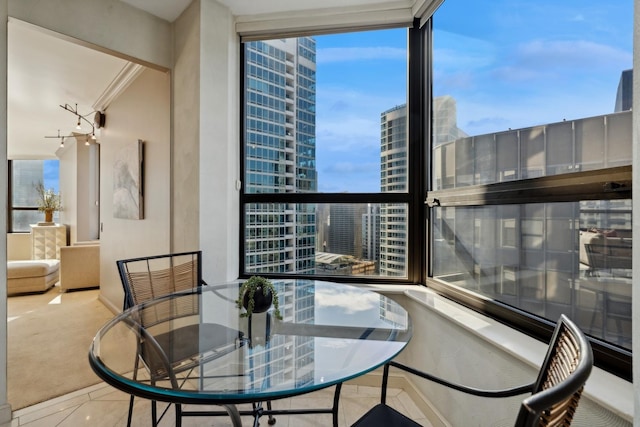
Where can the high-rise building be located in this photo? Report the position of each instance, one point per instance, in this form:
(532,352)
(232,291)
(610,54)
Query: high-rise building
(345,232)
(393,178)
(281,158)
(624,96)
(280,153)
(26,175)
(445,120)
(371,233)
(539,257)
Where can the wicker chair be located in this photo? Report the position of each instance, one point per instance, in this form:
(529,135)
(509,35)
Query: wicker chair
(149,278)
(554,395)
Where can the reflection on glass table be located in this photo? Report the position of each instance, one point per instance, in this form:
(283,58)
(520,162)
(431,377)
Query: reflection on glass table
(329,333)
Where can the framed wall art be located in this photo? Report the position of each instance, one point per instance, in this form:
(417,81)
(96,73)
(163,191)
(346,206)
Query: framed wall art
(128,182)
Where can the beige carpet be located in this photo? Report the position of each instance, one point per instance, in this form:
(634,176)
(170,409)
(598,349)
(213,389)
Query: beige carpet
(48,342)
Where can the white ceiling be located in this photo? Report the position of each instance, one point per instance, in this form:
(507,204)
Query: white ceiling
(170,9)
(45,72)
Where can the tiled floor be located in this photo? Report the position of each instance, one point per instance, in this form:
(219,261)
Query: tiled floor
(103,406)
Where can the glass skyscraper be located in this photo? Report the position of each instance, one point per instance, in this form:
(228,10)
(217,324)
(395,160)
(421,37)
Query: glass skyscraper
(393,178)
(280,153)
(394,173)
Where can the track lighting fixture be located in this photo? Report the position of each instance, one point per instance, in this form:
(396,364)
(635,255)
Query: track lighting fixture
(88,137)
(99,119)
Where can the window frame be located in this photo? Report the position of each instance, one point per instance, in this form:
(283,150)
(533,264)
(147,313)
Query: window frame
(601,184)
(422,200)
(571,187)
(413,197)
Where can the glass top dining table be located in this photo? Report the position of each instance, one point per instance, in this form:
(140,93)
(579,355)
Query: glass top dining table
(195,347)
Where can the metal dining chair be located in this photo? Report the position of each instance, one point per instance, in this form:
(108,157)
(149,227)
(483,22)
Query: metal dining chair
(554,395)
(150,278)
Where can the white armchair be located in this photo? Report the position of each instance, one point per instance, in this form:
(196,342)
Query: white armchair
(79,266)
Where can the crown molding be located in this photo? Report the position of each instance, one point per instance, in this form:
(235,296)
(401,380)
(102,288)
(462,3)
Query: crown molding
(126,76)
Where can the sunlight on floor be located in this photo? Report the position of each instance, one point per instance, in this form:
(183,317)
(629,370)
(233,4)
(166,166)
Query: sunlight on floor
(56,300)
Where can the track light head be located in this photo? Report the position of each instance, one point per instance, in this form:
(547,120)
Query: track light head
(98,122)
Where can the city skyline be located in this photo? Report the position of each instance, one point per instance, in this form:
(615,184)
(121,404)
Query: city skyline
(535,63)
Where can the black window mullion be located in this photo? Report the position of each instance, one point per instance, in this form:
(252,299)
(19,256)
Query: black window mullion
(417,144)
(326,198)
(600,184)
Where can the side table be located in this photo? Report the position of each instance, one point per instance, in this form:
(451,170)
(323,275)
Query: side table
(46,241)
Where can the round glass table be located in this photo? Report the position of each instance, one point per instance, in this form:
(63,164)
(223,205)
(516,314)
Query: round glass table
(196,348)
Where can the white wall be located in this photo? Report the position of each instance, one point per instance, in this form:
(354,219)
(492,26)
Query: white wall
(68,157)
(140,112)
(87,193)
(5,408)
(206,153)
(18,246)
(108,25)
(185,158)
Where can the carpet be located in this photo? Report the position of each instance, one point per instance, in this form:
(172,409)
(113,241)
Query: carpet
(48,339)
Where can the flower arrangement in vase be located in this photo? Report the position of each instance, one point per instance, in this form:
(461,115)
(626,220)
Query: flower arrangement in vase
(48,201)
(256,295)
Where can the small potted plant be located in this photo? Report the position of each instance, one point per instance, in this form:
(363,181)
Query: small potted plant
(48,202)
(256,295)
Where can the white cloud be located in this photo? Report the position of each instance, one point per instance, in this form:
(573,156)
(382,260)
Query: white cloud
(488,115)
(352,300)
(571,53)
(457,52)
(341,134)
(349,120)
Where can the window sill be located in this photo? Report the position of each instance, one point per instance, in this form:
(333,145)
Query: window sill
(603,388)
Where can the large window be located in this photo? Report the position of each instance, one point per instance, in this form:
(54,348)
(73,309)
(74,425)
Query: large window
(326,170)
(24,175)
(486,154)
(531,162)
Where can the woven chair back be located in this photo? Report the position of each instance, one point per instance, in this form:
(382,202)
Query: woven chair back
(561,380)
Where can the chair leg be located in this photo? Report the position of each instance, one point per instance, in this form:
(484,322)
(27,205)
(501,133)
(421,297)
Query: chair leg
(135,376)
(154,414)
(272,419)
(257,413)
(336,403)
(178,409)
(130,415)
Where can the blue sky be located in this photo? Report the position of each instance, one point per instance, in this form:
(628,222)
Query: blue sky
(51,174)
(508,64)
(359,75)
